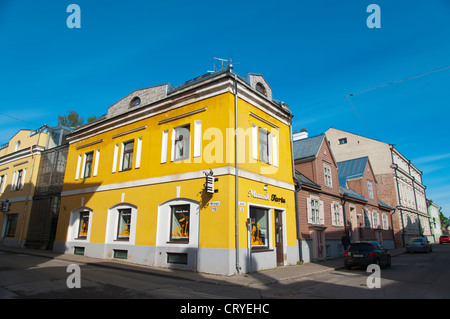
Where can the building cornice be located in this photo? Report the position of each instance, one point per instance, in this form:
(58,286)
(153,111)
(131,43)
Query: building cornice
(222,83)
(22,154)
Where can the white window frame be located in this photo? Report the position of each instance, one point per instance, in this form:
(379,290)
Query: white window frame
(327,174)
(187,144)
(370,189)
(74,224)
(112,224)
(315,215)
(337,215)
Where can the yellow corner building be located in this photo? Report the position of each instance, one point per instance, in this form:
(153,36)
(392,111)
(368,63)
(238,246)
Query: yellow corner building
(196,177)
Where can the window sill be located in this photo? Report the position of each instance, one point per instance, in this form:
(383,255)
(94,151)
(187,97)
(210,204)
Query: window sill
(122,240)
(261,250)
(183,242)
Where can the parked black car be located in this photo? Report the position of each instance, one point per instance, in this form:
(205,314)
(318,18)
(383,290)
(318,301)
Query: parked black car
(366,253)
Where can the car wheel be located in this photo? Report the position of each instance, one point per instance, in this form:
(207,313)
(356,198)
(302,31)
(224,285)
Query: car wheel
(388,264)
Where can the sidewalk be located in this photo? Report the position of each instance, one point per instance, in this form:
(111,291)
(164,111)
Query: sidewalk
(264,277)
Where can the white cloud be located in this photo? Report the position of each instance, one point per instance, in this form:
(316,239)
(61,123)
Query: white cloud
(431,158)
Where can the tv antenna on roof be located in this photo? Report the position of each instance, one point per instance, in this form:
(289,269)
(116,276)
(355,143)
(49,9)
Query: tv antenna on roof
(222,63)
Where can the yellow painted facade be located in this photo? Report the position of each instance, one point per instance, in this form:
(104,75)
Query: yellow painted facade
(19,166)
(137,178)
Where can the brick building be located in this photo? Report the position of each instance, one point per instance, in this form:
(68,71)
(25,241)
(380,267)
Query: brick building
(399,182)
(368,218)
(331,204)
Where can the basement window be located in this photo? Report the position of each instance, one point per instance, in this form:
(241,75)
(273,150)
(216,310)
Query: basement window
(120,254)
(177,258)
(78,251)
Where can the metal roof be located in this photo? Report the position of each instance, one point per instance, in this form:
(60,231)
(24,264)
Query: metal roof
(349,169)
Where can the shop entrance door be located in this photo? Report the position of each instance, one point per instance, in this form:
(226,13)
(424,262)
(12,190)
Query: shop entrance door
(279,237)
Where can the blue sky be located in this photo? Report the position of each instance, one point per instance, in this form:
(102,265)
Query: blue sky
(312,53)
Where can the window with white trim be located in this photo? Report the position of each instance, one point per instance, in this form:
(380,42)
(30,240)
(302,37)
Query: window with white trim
(127,155)
(385,221)
(181,142)
(337,216)
(18,180)
(124,224)
(327,174)
(369,187)
(315,211)
(367,219)
(375,218)
(264,145)
(121,224)
(11,225)
(88,160)
(83,226)
(180,223)
(259,227)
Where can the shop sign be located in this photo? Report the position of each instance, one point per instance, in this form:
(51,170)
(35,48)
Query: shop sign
(254,194)
(277,199)
(273,197)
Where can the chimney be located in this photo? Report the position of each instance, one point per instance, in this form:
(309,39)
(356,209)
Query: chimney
(300,135)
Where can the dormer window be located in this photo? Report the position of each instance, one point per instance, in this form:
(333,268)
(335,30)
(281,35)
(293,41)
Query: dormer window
(16,148)
(260,88)
(135,101)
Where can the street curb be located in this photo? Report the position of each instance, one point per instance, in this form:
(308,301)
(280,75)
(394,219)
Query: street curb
(246,280)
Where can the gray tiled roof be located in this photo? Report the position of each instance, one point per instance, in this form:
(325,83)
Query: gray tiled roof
(308,147)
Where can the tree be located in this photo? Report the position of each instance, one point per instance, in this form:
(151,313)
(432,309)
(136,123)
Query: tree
(444,220)
(72,119)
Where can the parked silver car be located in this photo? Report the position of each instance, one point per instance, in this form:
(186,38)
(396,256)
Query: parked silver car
(418,244)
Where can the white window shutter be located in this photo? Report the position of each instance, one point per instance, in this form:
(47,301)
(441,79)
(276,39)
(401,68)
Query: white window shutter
(274,150)
(77,172)
(198,139)
(172,151)
(309,210)
(97,160)
(116,153)
(269,142)
(321,213)
(165,140)
(23,178)
(13,182)
(255,141)
(138,152)
(333,215)
(83,166)
(122,149)
(341,215)
(4,183)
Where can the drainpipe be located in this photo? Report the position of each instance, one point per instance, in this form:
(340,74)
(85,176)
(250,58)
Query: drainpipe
(344,197)
(297,217)
(394,167)
(236,170)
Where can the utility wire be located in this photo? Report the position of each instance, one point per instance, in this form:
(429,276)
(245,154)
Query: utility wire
(17,119)
(384,85)
(406,79)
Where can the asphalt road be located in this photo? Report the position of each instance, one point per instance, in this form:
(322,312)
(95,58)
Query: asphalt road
(411,276)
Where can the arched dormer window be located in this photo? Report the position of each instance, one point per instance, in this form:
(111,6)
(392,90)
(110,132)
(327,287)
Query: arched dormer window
(135,101)
(16,148)
(260,88)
